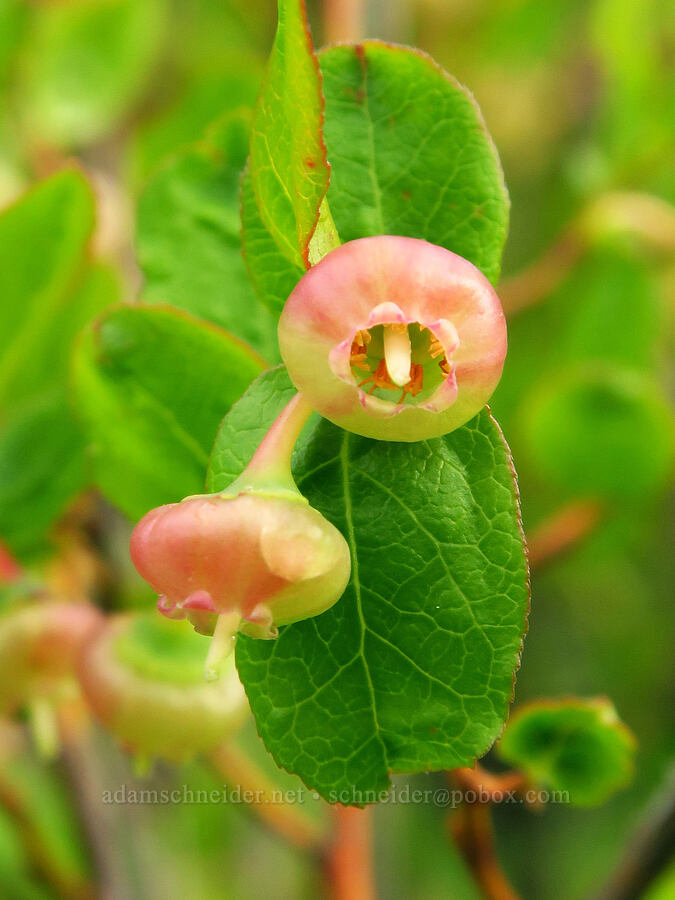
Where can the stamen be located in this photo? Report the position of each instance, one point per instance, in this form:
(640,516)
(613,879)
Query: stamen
(435,348)
(380,378)
(416,382)
(359,361)
(397,353)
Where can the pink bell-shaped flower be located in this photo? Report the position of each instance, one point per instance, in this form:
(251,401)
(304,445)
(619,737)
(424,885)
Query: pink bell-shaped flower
(394,338)
(143,678)
(249,559)
(39,644)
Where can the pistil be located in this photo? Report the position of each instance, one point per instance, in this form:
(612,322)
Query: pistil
(397,353)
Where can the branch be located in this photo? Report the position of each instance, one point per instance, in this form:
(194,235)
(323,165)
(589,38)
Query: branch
(83,770)
(542,277)
(472,830)
(348,861)
(489,787)
(281,818)
(343,20)
(648,218)
(562,531)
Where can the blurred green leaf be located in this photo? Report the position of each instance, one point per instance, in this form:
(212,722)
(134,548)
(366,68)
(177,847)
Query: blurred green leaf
(600,430)
(43,241)
(585,319)
(410,154)
(413,668)
(193,202)
(202,102)
(48,822)
(572,745)
(42,463)
(288,157)
(611,288)
(273,276)
(14,16)
(213,30)
(41,467)
(15,875)
(663,888)
(86,64)
(636,118)
(151,386)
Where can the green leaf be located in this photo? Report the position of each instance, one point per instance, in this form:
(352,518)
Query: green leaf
(410,153)
(587,315)
(611,287)
(600,430)
(151,385)
(288,157)
(41,467)
(42,462)
(273,276)
(13,18)
(573,745)
(193,201)
(87,64)
(413,668)
(636,113)
(43,243)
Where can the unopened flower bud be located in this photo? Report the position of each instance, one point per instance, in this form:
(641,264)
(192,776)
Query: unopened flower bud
(143,677)
(249,559)
(394,338)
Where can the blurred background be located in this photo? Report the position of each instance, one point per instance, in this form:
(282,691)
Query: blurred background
(580,100)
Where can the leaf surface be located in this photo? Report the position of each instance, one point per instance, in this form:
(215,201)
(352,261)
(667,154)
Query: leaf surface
(151,385)
(574,745)
(193,202)
(43,244)
(410,153)
(87,63)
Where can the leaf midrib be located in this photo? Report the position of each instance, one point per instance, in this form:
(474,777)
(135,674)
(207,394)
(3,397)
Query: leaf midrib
(351,540)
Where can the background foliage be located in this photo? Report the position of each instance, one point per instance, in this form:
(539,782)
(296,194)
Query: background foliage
(147,135)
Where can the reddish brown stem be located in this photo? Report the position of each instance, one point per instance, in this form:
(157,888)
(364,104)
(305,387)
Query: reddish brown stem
(343,20)
(562,531)
(489,787)
(10,569)
(472,830)
(283,819)
(349,857)
(543,276)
